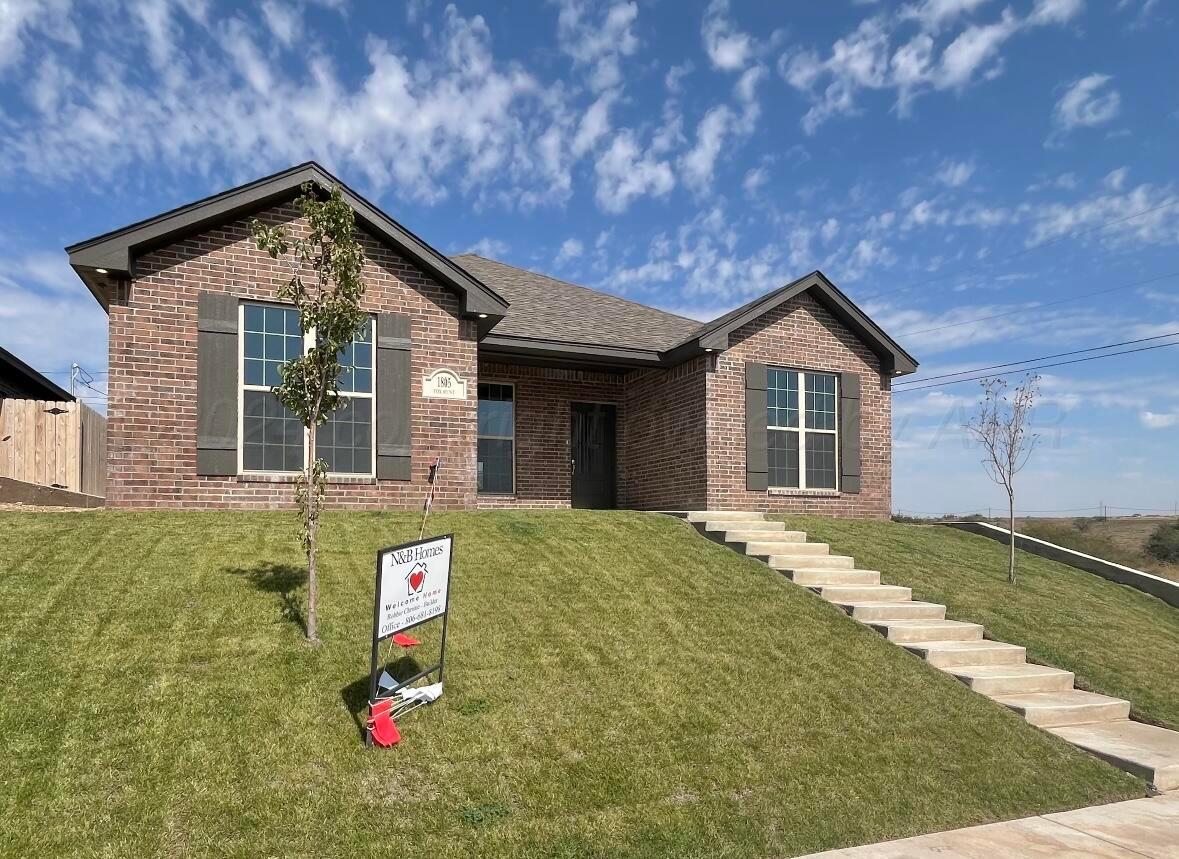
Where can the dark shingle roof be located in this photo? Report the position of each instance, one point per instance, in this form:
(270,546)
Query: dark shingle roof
(546,308)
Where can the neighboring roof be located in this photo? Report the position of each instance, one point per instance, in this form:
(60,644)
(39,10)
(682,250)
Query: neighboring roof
(551,317)
(549,309)
(26,383)
(116,251)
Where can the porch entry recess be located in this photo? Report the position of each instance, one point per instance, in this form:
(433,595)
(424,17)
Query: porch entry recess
(592,455)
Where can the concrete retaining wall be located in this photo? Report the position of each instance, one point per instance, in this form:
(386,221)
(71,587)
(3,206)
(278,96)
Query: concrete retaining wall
(1164,589)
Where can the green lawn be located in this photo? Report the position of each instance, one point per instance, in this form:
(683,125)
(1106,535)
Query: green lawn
(617,686)
(1117,640)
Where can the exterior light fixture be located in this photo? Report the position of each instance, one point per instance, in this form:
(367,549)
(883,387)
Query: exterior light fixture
(482,315)
(100,270)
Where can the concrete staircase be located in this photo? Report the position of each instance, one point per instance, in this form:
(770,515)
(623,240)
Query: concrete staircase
(1042,695)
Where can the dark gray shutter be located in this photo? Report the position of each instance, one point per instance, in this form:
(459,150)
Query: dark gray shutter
(394,397)
(849,432)
(756,461)
(216,384)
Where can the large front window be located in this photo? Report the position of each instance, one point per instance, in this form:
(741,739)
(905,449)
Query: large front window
(801,422)
(272,438)
(497,438)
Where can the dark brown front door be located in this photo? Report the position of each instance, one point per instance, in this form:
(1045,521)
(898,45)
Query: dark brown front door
(592,455)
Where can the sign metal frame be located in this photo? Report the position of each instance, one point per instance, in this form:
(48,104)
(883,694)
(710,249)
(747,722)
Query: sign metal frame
(374,664)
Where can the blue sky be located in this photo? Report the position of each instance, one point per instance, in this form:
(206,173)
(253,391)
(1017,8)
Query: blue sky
(943,161)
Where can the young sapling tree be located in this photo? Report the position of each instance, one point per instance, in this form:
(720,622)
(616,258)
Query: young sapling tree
(326,264)
(1001,426)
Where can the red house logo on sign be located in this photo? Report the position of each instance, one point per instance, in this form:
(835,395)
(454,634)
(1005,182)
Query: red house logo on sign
(416,578)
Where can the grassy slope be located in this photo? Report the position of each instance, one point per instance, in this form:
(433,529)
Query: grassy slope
(1117,640)
(617,686)
(1122,541)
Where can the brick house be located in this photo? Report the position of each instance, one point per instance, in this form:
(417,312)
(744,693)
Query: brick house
(534,391)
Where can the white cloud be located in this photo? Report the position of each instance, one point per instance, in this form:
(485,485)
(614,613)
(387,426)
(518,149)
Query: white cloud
(719,129)
(1146,215)
(866,59)
(21,19)
(570,249)
(728,48)
(755,179)
(594,124)
(488,247)
(1087,102)
(955,173)
(1115,180)
(599,45)
(624,172)
(1154,420)
(76,319)
(284,21)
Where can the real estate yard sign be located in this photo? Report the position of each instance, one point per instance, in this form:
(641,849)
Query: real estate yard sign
(412,588)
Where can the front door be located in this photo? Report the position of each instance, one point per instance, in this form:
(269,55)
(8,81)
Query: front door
(591,454)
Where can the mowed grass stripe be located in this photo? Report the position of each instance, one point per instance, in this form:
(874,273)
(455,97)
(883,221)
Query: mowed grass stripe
(616,686)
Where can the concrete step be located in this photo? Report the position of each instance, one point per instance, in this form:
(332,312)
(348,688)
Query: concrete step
(769,548)
(869,610)
(946,654)
(810,578)
(1013,679)
(853,593)
(927,630)
(1072,707)
(723,515)
(789,538)
(785,563)
(1146,751)
(761,525)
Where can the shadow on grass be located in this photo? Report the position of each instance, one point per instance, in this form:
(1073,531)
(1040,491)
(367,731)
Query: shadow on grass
(283,580)
(355,694)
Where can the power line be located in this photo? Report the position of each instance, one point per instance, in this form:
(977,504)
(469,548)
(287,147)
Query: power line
(1024,251)
(1039,305)
(1041,358)
(1041,366)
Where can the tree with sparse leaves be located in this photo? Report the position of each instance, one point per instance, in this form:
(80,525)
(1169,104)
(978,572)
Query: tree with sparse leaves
(326,264)
(1001,426)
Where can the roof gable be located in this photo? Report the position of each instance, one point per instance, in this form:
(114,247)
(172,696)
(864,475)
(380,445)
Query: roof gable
(113,254)
(714,335)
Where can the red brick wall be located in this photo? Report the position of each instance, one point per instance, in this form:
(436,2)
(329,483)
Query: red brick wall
(151,430)
(800,334)
(665,433)
(542,396)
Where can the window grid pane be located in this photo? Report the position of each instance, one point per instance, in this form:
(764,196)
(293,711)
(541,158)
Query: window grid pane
(345,441)
(272,337)
(272,437)
(820,460)
(356,359)
(497,430)
(781,398)
(782,455)
(820,401)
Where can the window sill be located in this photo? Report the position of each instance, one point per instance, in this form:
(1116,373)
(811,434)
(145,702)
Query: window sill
(496,494)
(332,479)
(805,493)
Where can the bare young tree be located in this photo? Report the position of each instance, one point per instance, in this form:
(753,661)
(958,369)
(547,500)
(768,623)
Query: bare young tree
(1001,426)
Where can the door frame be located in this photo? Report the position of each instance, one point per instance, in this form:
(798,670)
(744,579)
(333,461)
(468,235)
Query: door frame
(614,448)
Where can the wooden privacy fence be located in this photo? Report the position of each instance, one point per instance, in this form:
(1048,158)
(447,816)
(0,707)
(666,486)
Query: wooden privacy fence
(53,444)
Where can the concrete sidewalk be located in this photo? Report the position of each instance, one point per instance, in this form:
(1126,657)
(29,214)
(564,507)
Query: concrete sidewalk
(1124,830)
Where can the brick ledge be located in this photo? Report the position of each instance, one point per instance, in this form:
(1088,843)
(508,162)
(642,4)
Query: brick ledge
(804,493)
(291,478)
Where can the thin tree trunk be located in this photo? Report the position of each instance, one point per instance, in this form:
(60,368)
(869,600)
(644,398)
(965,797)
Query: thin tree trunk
(1011,545)
(312,523)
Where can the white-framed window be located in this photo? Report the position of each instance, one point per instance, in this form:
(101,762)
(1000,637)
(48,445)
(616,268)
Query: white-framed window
(802,446)
(497,438)
(271,439)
